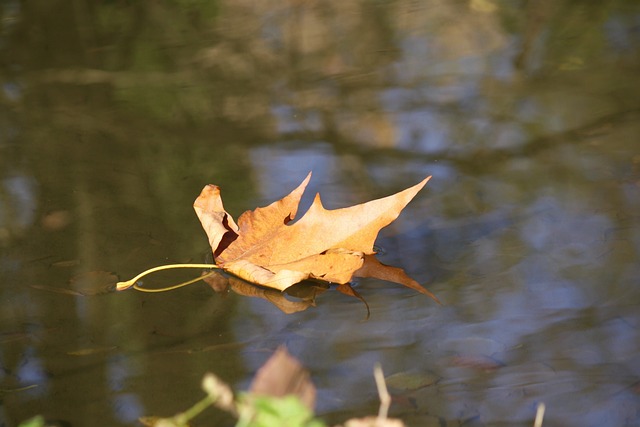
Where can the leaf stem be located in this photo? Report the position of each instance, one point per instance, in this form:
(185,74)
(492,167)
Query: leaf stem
(121,286)
(183,418)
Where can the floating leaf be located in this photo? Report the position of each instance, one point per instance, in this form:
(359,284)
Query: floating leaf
(329,245)
(94,282)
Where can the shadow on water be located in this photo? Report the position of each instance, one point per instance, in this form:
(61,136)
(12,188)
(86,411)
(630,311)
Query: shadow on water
(114,115)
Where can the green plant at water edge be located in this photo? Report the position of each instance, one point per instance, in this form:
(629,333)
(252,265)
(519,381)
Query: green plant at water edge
(281,395)
(251,409)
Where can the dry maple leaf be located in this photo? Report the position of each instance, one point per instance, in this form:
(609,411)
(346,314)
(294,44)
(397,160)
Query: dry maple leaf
(330,245)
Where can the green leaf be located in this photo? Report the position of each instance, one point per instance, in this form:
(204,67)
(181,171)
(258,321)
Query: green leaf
(288,411)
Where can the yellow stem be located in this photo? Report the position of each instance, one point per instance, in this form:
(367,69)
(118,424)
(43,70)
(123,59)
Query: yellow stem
(121,286)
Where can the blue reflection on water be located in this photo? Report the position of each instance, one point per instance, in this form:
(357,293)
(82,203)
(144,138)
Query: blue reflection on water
(19,213)
(279,169)
(31,372)
(291,120)
(126,406)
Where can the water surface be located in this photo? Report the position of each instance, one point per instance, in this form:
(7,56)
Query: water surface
(114,115)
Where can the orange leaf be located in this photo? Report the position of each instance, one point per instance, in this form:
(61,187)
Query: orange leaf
(330,245)
(374,268)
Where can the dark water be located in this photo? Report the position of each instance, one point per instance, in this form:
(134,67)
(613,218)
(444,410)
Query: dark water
(114,115)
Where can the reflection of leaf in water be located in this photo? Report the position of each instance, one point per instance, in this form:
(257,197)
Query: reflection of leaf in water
(216,281)
(346,289)
(307,289)
(305,292)
(287,306)
(85,284)
(220,283)
(409,381)
(94,283)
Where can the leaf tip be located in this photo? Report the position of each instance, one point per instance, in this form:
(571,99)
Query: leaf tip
(433,297)
(423,183)
(317,200)
(209,190)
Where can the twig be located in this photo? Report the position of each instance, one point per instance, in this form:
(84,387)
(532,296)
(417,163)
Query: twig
(539,415)
(385,398)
